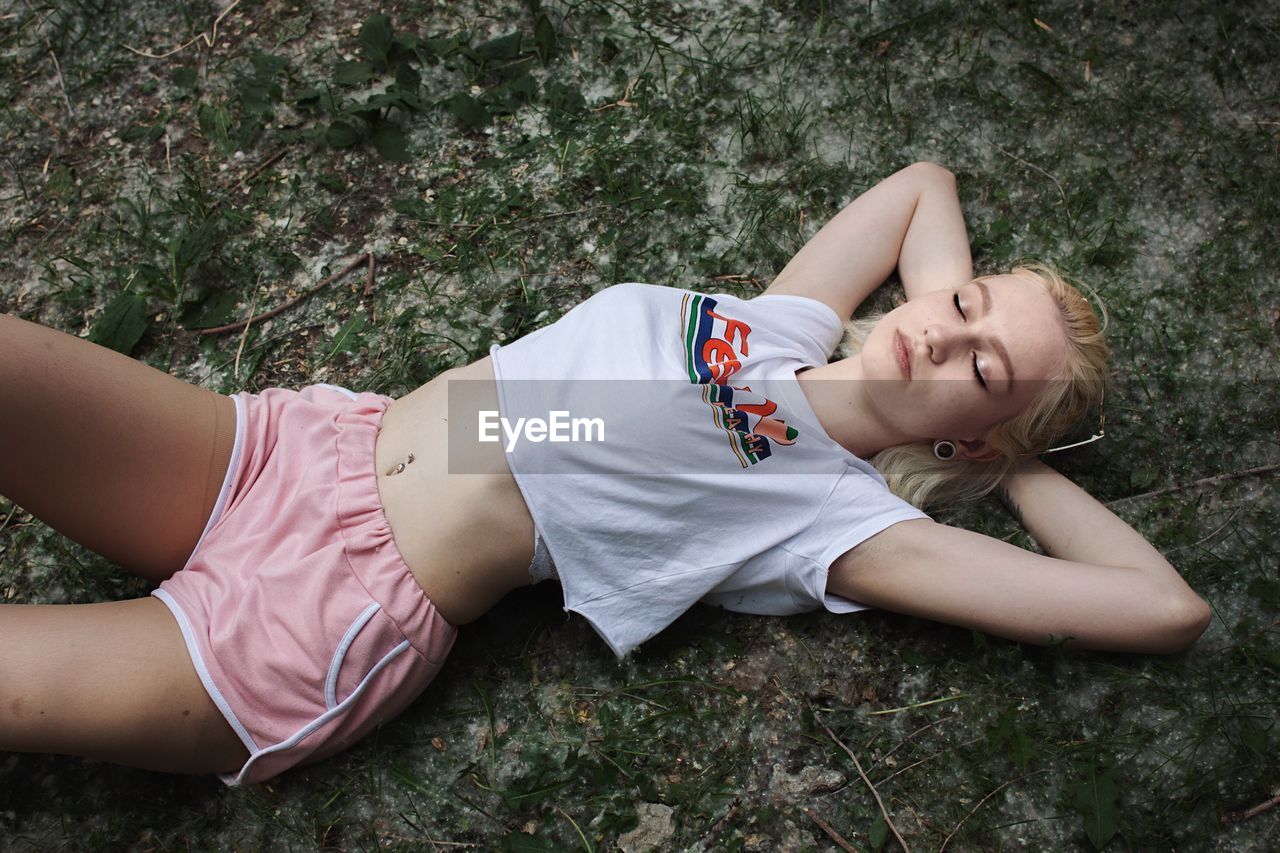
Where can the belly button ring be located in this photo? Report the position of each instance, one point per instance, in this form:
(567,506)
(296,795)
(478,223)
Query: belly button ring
(401,466)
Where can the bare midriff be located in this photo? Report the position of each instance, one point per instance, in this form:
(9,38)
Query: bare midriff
(466,537)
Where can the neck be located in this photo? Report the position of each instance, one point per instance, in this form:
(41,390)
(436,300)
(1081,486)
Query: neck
(838,397)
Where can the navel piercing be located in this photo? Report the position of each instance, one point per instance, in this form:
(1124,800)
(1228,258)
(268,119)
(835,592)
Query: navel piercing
(400,466)
(944,449)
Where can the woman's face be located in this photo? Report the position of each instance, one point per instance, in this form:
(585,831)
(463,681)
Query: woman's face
(964,360)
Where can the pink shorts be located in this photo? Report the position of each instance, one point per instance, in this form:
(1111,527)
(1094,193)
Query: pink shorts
(300,615)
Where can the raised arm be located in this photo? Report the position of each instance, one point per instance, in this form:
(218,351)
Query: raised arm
(910,220)
(1104,587)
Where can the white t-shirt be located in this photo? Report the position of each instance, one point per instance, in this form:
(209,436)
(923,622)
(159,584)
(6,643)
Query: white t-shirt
(710,478)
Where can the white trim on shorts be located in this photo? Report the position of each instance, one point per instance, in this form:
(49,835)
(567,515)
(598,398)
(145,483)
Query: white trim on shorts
(338,388)
(340,654)
(237,449)
(189,636)
(334,712)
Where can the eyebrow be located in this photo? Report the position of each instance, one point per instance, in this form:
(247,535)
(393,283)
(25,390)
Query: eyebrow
(996,344)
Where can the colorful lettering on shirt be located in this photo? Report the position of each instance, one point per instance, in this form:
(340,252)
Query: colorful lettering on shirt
(714,345)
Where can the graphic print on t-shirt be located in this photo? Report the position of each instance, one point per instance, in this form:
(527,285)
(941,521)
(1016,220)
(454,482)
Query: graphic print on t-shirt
(714,346)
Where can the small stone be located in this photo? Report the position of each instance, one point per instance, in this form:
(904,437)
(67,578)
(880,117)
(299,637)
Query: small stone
(657,824)
(438,743)
(810,780)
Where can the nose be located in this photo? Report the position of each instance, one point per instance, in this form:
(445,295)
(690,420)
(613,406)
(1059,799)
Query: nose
(939,341)
(943,341)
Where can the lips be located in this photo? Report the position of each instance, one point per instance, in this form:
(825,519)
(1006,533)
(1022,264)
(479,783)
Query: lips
(903,354)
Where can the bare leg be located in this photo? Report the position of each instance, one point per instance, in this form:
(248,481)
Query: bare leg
(128,461)
(122,458)
(110,681)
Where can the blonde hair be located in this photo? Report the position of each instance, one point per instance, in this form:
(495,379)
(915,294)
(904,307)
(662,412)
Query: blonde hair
(916,475)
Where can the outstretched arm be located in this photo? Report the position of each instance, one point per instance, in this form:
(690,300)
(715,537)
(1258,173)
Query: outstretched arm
(1103,587)
(910,220)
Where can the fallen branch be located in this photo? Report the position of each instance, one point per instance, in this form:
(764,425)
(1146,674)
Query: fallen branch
(1011,156)
(883,811)
(367,257)
(262,167)
(721,823)
(61,83)
(947,840)
(368,280)
(831,833)
(1236,817)
(1220,478)
(210,38)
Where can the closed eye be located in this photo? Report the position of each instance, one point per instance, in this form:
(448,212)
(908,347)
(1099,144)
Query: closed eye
(977,372)
(956,299)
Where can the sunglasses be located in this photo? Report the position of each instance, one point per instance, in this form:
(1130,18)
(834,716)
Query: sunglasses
(1102,429)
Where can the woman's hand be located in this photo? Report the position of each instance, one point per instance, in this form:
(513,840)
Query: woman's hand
(910,220)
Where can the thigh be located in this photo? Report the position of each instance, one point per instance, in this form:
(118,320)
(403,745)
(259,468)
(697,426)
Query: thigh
(121,457)
(111,681)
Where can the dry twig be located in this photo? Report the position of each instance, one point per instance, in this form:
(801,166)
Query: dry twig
(950,834)
(1236,817)
(262,167)
(1219,478)
(368,281)
(721,823)
(831,833)
(367,257)
(210,38)
(1011,156)
(883,811)
(61,83)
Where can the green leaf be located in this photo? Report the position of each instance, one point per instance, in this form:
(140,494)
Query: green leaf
(215,308)
(544,36)
(376,103)
(215,122)
(408,82)
(878,833)
(519,842)
(566,104)
(122,323)
(1007,733)
(61,183)
(352,73)
(144,132)
(348,337)
(391,143)
(184,77)
(375,38)
(1265,590)
(333,183)
(1270,657)
(193,246)
(499,49)
(470,111)
(412,206)
(1097,799)
(433,50)
(341,135)
(524,87)
(268,65)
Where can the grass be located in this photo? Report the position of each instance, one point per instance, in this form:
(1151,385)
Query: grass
(503,161)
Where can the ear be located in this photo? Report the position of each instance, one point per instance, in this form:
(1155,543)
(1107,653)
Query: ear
(976,450)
